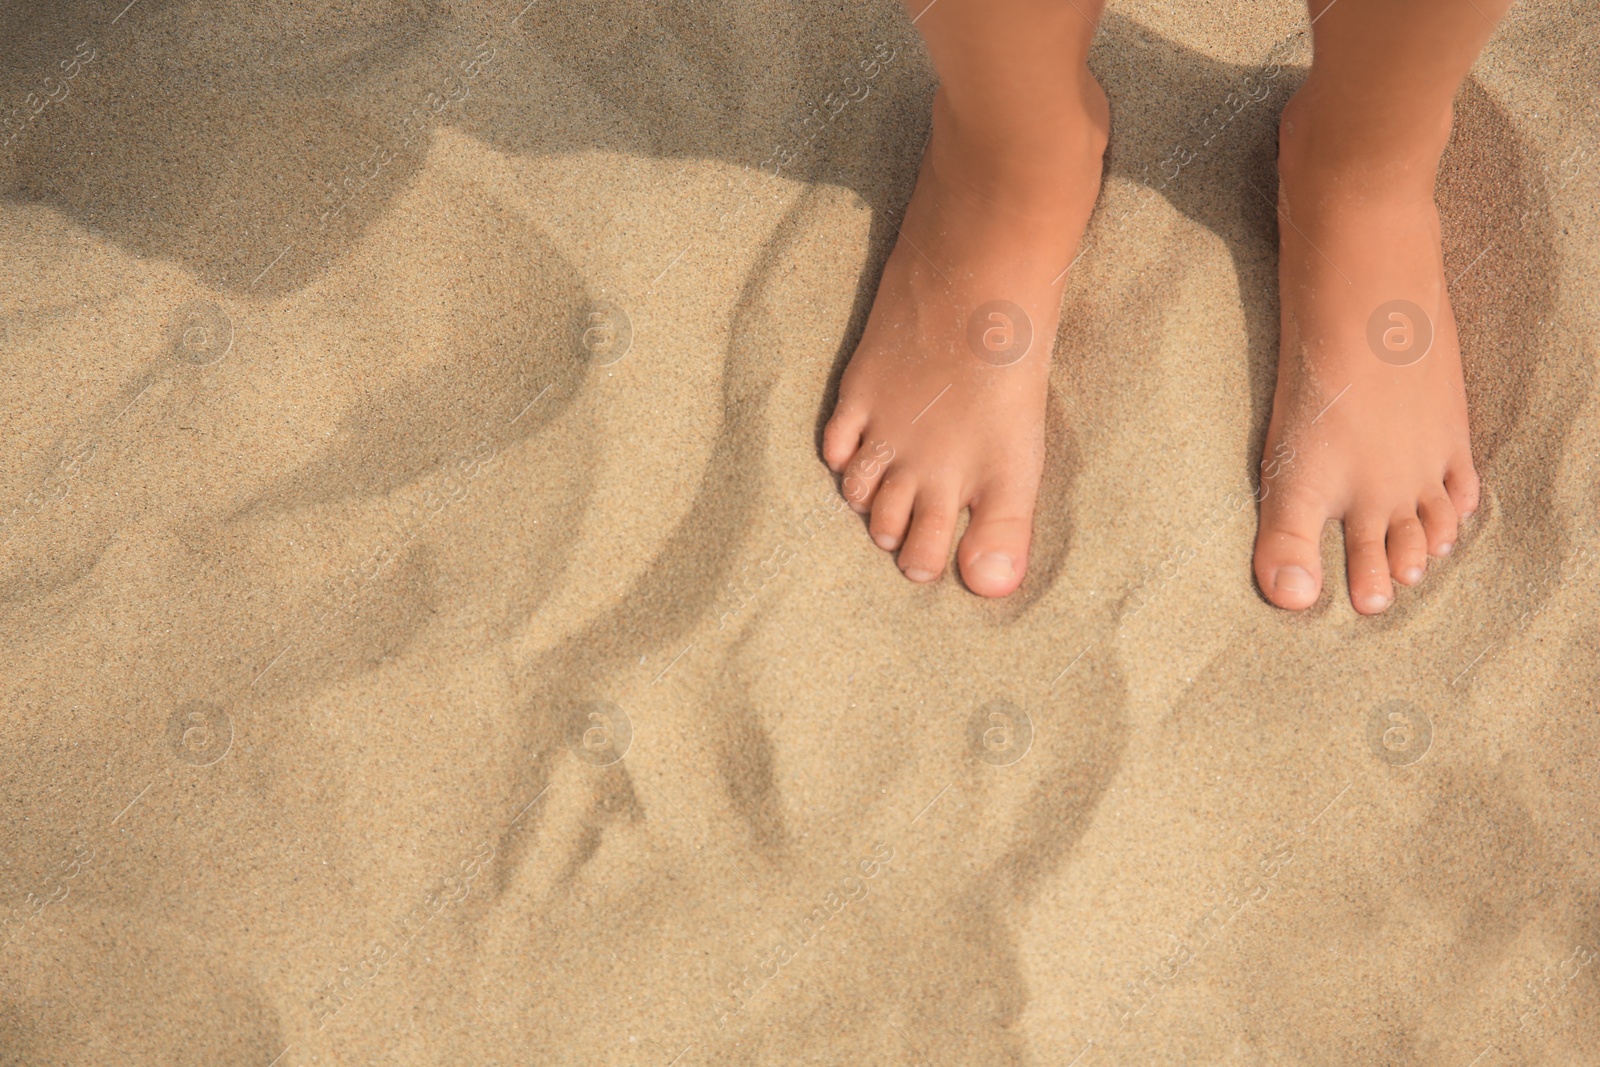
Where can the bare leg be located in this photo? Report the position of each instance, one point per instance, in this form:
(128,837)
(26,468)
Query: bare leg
(1367,326)
(942,406)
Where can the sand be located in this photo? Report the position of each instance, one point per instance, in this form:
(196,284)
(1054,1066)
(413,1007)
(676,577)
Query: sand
(430,635)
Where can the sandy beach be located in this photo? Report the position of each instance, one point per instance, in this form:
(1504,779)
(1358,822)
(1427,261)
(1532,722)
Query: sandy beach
(430,635)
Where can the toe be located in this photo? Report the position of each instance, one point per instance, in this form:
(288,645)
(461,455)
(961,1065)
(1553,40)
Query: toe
(933,525)
(994,550)
(1367,563)
(863,473)
(1461,483)
(1288,558)
(891,510)
(841,438)
(1438,522)
(1408,549)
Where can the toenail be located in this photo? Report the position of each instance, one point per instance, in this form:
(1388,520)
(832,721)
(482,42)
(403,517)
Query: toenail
(917,575)
(1444,549)
(1374,604)
(993,567)
(1294,580)
(886,542)
(1411,575)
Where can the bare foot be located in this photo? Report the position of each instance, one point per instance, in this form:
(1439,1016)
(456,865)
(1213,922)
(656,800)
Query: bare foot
(1369,422)
(942,405)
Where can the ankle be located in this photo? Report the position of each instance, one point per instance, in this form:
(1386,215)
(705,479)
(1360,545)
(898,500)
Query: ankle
(1023,152)
(1326,137)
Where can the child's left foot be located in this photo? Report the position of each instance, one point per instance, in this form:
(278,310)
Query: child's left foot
(1369,421)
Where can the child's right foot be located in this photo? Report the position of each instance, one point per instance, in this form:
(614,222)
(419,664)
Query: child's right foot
(942,406)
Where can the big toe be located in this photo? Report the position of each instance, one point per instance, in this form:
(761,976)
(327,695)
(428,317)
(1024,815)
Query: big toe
(1288,557)
(994,550)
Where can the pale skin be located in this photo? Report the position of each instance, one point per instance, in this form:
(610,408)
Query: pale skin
(927,424)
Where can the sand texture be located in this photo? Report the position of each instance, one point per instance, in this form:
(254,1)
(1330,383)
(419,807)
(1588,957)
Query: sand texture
(431,637)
